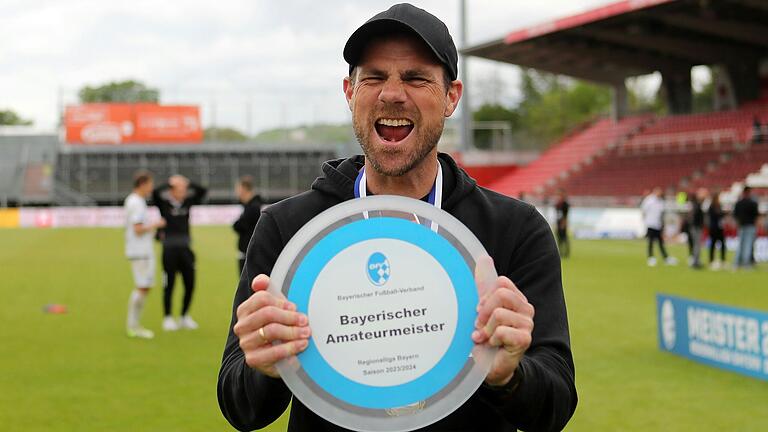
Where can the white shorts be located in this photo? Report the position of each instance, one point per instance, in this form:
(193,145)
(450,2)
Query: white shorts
(143,272)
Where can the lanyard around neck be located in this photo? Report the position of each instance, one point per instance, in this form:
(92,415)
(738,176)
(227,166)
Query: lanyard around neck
(435,196)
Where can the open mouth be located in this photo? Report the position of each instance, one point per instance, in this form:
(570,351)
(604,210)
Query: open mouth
(393,129)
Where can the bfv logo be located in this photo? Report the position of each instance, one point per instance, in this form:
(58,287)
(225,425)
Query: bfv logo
(378,269)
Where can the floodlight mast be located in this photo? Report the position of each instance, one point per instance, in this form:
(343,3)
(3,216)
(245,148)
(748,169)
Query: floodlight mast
(466,112)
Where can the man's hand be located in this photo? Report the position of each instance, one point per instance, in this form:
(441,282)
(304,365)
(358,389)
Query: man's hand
(160,224)
(505,320)
(265,318)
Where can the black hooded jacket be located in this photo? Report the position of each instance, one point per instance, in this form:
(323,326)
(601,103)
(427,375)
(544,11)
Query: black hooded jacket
(521,244)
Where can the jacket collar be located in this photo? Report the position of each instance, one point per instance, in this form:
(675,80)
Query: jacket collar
(339,175)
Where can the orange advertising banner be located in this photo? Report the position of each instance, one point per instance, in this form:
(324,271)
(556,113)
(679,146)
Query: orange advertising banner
(132,124)
(165,123)
(98,124)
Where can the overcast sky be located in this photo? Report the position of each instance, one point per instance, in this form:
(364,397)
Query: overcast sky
(251,64)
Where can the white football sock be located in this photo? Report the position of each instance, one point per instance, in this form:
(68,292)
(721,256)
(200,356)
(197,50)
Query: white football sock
(135,305)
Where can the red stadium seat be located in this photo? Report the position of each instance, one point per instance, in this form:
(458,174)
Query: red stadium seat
(627,158)
(572,151)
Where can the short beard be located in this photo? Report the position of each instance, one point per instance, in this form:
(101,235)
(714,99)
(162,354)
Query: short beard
(429,138)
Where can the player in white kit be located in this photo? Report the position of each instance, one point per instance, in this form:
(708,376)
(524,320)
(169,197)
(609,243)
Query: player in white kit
(139,250)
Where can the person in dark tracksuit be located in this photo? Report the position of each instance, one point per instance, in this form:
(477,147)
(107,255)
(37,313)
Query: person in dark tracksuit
(245,224)
(695,227)
(715,216)
(174,200)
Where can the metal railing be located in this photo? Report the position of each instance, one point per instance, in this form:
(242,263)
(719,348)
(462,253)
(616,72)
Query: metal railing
(683,141)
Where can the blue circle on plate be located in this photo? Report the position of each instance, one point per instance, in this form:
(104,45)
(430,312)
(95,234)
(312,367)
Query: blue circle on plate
(457,354)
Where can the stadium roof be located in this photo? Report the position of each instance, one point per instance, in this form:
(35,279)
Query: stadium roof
(637,37)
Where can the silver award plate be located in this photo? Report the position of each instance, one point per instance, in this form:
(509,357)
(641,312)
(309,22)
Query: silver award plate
(391,286)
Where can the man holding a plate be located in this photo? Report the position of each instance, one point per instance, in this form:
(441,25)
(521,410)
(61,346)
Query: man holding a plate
(402,84)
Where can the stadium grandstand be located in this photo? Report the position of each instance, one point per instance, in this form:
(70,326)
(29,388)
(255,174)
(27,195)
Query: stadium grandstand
(43,169)
(616,160)
(609,161)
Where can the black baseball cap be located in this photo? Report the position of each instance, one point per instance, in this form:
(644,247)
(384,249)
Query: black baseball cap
(409,18)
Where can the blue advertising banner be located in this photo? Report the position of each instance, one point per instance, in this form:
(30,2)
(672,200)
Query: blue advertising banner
(726,337)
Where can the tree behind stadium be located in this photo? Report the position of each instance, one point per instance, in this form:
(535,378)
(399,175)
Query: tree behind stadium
(129,91)
(10,118)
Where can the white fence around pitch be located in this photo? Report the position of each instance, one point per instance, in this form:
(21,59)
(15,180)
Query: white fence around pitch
(590,223)
(584,222)
(73,217)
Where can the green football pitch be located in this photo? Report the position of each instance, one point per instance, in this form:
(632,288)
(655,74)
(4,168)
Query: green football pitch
(79,372)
